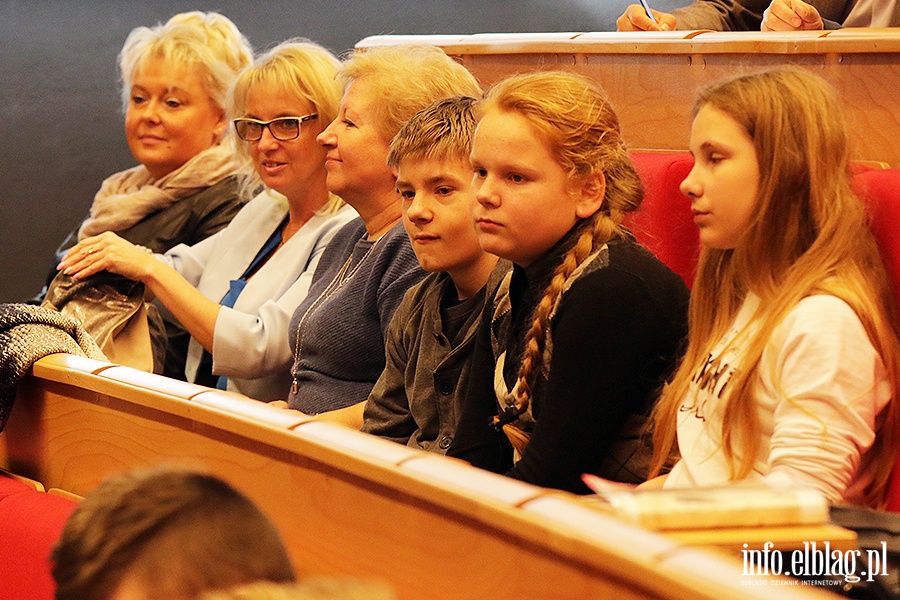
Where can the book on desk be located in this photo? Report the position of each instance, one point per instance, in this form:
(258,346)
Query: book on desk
(725,516)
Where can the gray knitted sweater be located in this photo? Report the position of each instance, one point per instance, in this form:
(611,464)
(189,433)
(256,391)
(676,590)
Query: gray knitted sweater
(337,332)
(29,333)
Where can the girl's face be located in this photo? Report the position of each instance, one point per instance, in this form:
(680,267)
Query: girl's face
(525,201)
(290,167)
(356,158)
(724,181)
(170,116)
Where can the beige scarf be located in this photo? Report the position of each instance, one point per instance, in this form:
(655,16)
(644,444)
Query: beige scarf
(127,197)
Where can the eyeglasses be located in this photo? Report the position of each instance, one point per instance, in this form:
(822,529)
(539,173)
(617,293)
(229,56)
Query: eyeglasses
(282,128)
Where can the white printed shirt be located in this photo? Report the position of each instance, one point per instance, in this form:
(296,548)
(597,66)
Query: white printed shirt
(820,391)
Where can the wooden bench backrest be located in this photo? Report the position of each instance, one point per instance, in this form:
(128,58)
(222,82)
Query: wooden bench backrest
(348,503)
(652,77)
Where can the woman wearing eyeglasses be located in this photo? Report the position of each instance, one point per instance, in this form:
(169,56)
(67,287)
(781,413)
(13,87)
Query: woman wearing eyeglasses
(236,291)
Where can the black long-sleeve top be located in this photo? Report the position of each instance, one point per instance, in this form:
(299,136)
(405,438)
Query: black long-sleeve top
(617,333)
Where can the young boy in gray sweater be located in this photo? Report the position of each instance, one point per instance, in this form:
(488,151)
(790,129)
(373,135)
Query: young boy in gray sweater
(417,399)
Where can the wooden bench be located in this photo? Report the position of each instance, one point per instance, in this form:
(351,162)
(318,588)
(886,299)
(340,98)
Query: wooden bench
(349,503)
(652,77)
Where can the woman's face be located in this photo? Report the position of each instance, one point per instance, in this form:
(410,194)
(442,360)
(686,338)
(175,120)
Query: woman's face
(170,116)
(294,167)
(724,181)
(356,159)
(526,201)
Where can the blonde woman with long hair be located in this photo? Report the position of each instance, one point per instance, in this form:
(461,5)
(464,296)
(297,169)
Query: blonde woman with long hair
(577,341)
(792,357)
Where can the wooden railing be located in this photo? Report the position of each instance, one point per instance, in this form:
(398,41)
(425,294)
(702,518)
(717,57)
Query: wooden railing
(652,77)
(349,503)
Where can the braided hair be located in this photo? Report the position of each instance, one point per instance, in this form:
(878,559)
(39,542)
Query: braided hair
(573,114)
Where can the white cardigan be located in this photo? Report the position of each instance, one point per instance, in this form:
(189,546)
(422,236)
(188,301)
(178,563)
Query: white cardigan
(250,342)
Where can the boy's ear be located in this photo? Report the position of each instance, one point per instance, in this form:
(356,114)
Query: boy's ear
(590,194)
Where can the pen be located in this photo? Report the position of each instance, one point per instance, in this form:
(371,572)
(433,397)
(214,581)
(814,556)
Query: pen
(647,10)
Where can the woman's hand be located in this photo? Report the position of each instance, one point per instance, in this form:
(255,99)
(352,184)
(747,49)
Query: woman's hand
(107,252)
(351,416)
(635,19)
(791,15)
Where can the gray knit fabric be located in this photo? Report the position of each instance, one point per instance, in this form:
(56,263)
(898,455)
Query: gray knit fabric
(29,333)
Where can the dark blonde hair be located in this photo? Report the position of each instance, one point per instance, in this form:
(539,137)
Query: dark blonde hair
(302,69)
(180,531)
(443,130)
(573,116)
(209,41)
(809,235)
(405,79)
(310,588)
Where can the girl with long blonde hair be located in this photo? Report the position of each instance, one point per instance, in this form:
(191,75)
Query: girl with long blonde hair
(792,356)
(574,346)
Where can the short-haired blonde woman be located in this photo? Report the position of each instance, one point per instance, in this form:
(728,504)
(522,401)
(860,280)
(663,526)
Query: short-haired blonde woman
(337,333)
(175,79)
(578,339)
(793,364)
(235,292)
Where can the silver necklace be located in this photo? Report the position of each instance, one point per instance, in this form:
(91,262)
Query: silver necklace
(343,276)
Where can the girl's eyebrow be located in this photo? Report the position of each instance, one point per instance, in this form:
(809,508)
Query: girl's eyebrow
(706,145)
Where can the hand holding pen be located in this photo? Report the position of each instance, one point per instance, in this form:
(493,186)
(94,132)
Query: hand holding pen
(640,17)
(649,11)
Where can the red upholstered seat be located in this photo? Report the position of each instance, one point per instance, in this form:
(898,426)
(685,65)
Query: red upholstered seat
(665,224)
(881,191)
(10,485)
(30,524)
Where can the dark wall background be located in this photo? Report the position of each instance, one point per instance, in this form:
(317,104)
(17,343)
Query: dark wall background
(60,117)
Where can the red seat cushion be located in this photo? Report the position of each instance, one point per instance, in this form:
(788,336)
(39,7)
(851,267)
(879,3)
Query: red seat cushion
(30,524)
(880,189)
(665,224)
(9,486)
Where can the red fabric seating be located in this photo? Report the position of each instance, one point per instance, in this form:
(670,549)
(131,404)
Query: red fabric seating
(30,523)
(665,224)
(881,191)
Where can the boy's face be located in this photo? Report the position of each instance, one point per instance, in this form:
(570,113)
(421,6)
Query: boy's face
(436,194)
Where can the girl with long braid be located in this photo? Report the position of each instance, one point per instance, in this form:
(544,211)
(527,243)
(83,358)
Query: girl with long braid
(580,336)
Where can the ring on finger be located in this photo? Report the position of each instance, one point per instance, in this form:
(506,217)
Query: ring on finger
(90,250)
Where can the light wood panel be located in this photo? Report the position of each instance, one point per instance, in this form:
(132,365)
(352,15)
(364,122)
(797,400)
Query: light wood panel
(348,503)
(652,78)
